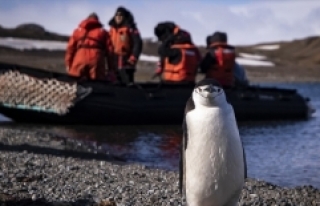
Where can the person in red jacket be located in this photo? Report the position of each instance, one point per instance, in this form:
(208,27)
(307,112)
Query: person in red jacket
(87,50)
(179,57)
(220,60)
(127,44)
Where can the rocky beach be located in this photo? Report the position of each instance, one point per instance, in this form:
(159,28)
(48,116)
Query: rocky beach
(39,168)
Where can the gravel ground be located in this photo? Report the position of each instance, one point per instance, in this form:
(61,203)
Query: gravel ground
(41,169)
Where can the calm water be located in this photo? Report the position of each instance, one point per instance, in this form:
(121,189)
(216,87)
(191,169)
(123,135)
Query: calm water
(285,152)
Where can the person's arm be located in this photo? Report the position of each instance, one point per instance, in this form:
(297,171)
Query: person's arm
(70,50)
(109,52)
(199,55)
(137,45)
(174,56)
(199,59)
(206,62)
(165,49)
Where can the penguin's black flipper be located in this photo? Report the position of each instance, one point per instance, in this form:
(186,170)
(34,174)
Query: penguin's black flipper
(189,107)
(182,167)
(245,164)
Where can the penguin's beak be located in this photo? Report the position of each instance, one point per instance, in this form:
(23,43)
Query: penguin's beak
(208,91)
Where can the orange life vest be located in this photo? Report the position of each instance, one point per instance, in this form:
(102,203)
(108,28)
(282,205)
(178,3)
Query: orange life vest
(222,71)
(186,69)
(121,40)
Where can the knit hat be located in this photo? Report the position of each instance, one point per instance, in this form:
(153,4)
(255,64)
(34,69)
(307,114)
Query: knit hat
(93,15)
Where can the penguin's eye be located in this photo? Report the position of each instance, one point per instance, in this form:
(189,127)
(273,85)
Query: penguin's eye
(219,90)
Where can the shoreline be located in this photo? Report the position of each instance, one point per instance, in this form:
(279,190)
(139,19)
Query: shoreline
(61,179)
(255,75)
(54,61)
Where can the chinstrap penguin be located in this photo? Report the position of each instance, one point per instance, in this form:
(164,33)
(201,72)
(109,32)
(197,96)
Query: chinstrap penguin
(212,159)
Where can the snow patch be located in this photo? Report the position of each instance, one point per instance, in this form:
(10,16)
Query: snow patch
(252,56)
(249,60)
(148,58)
(18,43)
(268,47)
(252,62)
(22,44)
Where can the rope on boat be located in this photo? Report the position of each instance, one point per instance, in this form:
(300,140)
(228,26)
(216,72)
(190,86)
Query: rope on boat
(21,91)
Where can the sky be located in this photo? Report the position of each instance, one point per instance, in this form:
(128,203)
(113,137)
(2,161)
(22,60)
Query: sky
(245,21)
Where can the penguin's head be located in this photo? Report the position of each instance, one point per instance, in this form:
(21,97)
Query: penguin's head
(209,93)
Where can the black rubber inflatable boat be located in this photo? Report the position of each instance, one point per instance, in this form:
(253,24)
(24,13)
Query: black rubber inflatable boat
(102,103)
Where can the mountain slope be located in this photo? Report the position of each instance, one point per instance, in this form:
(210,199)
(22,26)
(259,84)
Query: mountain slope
(299,52)
(31,31)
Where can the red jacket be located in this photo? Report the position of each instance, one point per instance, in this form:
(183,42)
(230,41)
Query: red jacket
(89,46)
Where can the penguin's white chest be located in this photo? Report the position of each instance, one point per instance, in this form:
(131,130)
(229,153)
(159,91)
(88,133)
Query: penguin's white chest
(214,158)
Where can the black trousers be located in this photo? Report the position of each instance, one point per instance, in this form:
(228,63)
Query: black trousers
(126,76)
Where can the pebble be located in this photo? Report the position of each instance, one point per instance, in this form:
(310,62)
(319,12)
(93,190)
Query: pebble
(32,177)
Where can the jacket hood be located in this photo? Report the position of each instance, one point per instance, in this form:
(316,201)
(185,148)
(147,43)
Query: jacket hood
(217,37)
(169,31)
(183,37)
(90,23)
(128,19)
(163,29)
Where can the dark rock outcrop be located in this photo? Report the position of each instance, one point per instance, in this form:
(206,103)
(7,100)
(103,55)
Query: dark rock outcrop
(31,31)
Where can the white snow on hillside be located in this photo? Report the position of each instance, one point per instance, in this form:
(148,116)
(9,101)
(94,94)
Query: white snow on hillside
(22,44)
(148,58)
(268,47)
(247,59)
(252,56)
(252,62)
(17,43)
